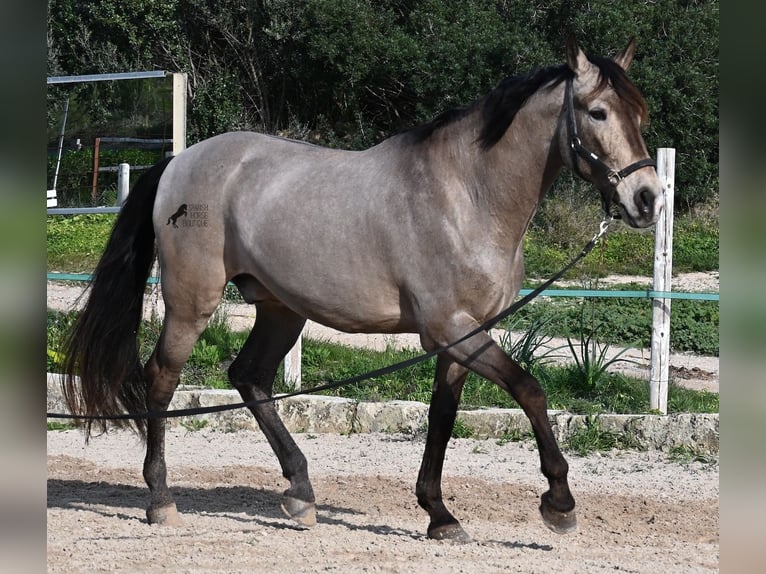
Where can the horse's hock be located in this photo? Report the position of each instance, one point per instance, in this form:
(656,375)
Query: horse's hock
(322,414)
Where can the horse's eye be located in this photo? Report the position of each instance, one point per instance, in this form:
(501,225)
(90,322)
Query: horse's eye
(598,114)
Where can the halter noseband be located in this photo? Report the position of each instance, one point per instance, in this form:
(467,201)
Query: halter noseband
(614,176)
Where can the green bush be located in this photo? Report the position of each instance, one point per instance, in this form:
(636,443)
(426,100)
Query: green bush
(75,242)
(621,321)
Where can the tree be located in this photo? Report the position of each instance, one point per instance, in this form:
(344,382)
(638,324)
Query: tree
(351,72)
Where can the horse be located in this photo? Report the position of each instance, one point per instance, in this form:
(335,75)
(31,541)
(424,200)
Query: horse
(421,233)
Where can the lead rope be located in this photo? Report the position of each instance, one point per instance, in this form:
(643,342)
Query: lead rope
(356,378)
(601,255)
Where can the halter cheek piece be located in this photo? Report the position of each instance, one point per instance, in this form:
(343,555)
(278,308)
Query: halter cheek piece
(575,144)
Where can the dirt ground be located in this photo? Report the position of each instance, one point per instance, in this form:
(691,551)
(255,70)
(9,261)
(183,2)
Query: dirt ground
(638,512)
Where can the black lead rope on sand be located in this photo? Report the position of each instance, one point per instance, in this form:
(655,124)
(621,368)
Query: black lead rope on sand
(356,378)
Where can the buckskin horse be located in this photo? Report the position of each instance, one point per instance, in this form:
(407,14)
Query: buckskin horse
(421,233)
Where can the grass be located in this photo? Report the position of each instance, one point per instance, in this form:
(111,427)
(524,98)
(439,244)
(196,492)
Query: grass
(627,322)
(194,424)
(686,455)
(514,435)
(75,242)
(324,361)
(461,429)
(557,233)
(57,426)
(592,437)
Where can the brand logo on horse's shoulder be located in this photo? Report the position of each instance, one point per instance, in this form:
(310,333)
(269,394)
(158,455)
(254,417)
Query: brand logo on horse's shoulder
(180,212)
(193,214)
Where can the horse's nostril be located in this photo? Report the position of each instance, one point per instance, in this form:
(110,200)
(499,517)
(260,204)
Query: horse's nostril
(644,199)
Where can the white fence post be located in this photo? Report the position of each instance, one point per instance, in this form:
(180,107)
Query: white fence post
(179,112)
(292,376)
(123,183)
(663,268)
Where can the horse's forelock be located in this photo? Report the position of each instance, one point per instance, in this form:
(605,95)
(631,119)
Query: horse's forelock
(612,75)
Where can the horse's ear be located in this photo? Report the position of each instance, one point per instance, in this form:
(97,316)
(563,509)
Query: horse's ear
(576,58)
(626,57)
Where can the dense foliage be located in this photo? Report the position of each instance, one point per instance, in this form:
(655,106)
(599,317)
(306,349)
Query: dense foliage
(351,72)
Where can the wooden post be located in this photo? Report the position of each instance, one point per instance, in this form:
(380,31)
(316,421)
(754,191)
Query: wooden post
(94,190)
(179,113)
(292,375)
(123,183)
(663,268)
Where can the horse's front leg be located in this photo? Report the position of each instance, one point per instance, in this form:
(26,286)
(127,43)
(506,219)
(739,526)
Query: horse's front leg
(448,386)
(485,357)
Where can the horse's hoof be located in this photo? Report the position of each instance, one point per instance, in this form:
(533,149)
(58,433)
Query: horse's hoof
(452,532)
(302,512)
(558,521)
(164,515)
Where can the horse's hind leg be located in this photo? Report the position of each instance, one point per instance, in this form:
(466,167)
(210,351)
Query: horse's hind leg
(275,331)
(180,331)
(450,377)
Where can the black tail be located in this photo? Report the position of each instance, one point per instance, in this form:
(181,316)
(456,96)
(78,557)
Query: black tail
(102,348)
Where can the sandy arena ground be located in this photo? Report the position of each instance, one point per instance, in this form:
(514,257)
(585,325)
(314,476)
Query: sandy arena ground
(638,512)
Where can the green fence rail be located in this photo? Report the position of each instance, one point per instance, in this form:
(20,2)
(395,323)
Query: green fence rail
(645,294)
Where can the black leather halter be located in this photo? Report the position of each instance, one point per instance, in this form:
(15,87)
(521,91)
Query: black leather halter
(578,149)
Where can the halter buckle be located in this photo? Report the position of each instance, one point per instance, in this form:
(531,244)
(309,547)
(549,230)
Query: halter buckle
(575,143)
(615,177)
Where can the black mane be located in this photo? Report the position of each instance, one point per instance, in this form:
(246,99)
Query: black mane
(500,106)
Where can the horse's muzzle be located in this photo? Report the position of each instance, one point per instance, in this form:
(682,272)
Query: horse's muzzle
(643,208)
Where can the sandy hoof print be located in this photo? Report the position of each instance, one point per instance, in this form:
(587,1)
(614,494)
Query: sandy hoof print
(451,532)
(164,515)
(302,512)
